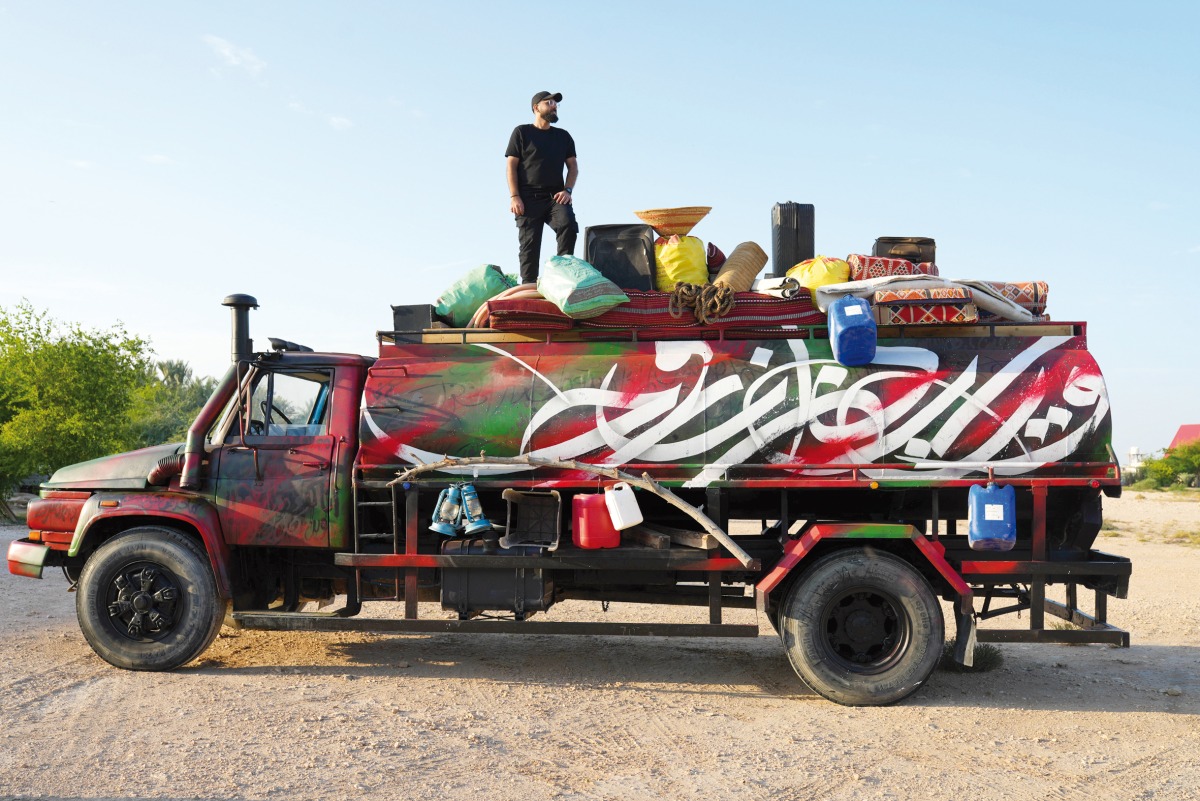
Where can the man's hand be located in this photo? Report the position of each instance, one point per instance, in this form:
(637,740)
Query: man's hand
(517,207)
(563,198)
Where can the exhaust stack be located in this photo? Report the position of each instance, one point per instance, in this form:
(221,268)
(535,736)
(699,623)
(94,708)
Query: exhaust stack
(240,306)
(243,349)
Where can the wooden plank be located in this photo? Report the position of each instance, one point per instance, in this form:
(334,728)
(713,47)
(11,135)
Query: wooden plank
(444,336)
(982,330)
(458,336)
(679,536)
(644,536)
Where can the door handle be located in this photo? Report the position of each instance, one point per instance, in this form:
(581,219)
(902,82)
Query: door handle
(319,465)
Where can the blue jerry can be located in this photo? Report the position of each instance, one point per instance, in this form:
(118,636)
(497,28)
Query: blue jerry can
(992,517)
(852,332)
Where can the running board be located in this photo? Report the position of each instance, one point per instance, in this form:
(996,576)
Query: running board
(1108,635)
(295,621)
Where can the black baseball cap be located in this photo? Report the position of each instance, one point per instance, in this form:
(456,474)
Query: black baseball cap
(540,96)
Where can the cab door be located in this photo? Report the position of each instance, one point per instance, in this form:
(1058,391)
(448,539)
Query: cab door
(274,472)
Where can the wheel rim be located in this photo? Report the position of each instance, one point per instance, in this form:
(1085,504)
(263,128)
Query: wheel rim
(865,630)
(141,601)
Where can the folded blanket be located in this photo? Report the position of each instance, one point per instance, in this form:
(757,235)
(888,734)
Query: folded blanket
(986,296)
(479,320)
(932,305)
(750,310)
(524,314)
(1029,295)
(863,268)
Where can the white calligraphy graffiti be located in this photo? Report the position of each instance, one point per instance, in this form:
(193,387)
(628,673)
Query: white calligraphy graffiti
(799,400)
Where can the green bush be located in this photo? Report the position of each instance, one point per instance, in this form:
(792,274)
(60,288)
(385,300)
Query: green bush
(987,658)
(65,392)
(1145,484)
(1177,465)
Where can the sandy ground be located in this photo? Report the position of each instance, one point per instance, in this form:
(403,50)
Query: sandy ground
(327,716)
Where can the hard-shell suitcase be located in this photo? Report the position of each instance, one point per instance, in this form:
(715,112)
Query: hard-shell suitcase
(914,248)
(624,254)
(792,236)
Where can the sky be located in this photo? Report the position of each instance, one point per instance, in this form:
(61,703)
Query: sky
(334,159)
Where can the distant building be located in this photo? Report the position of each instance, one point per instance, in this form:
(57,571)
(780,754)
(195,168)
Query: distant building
(1185,434)
(1132,465)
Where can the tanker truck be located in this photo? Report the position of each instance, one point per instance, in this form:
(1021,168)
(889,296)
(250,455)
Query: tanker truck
(456,474)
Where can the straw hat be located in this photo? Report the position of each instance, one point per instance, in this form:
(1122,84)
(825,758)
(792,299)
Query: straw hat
(674,222)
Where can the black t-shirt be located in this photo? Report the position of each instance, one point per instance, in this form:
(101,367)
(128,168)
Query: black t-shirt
(543,155)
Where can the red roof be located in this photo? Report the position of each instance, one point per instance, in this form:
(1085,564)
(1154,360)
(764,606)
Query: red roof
(1184,435)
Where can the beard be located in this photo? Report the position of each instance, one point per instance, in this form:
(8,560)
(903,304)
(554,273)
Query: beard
(550,116)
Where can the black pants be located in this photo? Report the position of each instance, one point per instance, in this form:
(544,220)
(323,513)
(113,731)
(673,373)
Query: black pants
(541,211)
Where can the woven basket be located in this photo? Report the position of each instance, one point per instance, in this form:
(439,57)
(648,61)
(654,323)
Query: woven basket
(741,267)
(674,222)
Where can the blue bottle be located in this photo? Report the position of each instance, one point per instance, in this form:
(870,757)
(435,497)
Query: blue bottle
(852,331)
(992,517)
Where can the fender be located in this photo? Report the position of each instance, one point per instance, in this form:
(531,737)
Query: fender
(186,508)
(795,551)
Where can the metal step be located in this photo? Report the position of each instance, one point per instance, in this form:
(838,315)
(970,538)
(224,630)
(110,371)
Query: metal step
(682,559)
(306,621)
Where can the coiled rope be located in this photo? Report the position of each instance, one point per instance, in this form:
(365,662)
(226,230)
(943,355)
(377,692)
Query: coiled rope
(707,303)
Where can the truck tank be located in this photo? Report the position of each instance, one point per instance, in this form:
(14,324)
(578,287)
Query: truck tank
(1025,402)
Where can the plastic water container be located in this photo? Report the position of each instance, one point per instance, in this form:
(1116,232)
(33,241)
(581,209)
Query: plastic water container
(852,331)
(591,526)
(622,506)
(992,517)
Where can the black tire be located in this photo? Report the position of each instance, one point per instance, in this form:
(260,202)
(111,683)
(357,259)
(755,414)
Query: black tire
(862,628)
(147,600)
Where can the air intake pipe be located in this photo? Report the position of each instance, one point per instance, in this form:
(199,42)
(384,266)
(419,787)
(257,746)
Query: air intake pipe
(242,349)
(240,306)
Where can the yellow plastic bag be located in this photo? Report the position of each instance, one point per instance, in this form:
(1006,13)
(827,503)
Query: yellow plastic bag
(680,258)
(820,271)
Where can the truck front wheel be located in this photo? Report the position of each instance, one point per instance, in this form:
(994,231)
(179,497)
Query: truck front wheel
(862,628)
(147,600)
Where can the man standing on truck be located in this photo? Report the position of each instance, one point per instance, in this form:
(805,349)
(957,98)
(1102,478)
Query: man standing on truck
(535,157)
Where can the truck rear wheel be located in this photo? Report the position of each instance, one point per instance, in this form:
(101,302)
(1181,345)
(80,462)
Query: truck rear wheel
(147,600)
(862,628)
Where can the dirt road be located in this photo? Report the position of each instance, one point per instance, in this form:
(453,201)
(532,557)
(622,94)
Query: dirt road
(325,716)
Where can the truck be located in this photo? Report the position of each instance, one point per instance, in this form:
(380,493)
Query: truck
(452,467)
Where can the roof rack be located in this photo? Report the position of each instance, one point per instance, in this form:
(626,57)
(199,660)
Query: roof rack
(464,336)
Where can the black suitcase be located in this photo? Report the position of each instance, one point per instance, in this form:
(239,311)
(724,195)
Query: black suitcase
(793,237)
(624,254)
(916,249)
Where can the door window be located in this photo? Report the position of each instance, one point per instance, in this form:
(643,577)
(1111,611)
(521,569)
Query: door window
(289,405)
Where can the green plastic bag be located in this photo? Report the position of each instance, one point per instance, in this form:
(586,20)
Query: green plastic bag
(577,288)
(463,298)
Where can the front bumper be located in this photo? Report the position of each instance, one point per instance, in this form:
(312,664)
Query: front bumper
(27,558)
